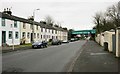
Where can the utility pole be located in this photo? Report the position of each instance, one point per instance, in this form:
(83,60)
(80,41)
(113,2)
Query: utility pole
(33,24)
(45,32)
(12,37)
(60,33)
(119,13)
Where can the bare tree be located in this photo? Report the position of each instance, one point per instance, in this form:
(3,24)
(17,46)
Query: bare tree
(49,19)
(56,25)
(70,33)
(103,23)
(97,21)
(112,13)
(107,20)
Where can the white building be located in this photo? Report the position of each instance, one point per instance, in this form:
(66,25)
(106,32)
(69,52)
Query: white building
(47,32)
(65,35)
(16,30)
(25,32)
(61,33)
(9,30)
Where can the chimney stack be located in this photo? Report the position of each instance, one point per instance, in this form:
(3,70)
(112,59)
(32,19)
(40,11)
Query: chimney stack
(8,11)
(4,11)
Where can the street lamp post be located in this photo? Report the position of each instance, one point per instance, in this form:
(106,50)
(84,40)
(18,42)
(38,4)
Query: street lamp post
(33,24)
(45,32)
(118,11)
(13,37)
(60,33)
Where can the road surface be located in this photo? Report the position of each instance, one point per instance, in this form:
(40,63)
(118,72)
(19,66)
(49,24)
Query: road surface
(51,59)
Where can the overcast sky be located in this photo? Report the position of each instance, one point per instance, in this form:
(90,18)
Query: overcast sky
(73,14)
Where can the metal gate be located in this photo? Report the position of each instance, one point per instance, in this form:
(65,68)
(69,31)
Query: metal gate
(114,43)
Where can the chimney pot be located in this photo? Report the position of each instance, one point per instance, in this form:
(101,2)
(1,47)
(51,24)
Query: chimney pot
(7,9)
(4,9)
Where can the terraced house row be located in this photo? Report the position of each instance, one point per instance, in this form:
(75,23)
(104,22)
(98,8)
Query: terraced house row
(16,30)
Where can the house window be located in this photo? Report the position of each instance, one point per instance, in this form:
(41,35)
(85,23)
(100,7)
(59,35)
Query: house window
(15,24)
(10,34)
(56,31)
(23,34)
(52,37)
(49,36)
(37,27)
(45,30)
(41,36)
(28,35)
(24,26)
(37,35)
(34,35)
(41,29)
(11,25)
(52,31)
(49,30)
(3,22)
(16,35)
(44,36)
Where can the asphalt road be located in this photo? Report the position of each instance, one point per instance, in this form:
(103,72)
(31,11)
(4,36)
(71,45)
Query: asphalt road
(94,59)
(51,59)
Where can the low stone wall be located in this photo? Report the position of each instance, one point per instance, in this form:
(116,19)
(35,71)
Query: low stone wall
(105,37)
(100,39)
(97,38)
(118,42)
(108,39)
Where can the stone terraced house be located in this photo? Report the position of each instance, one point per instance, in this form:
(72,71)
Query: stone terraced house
(16,30)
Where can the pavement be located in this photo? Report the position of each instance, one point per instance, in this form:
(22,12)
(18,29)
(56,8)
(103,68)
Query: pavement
(93,58)
(51,59)
(6,49)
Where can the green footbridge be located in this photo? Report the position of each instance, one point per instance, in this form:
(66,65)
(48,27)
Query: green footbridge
(84,32)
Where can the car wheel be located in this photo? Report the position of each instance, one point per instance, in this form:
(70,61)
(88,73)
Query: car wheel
(45,46)
(41,46)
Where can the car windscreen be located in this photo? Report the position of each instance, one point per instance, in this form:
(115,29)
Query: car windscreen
(36,42)
(55,40)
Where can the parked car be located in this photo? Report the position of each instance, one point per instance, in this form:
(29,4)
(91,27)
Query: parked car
(72,39)
(65,41)
(39,44)
(56,42)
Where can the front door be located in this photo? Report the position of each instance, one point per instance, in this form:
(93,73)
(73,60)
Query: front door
(114,43)
(31,37)
(3,37)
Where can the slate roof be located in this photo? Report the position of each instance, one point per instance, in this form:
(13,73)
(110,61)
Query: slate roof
(42,25)
(60,29)
(12,17)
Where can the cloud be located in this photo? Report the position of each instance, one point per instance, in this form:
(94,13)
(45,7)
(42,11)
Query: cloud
(77,15)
